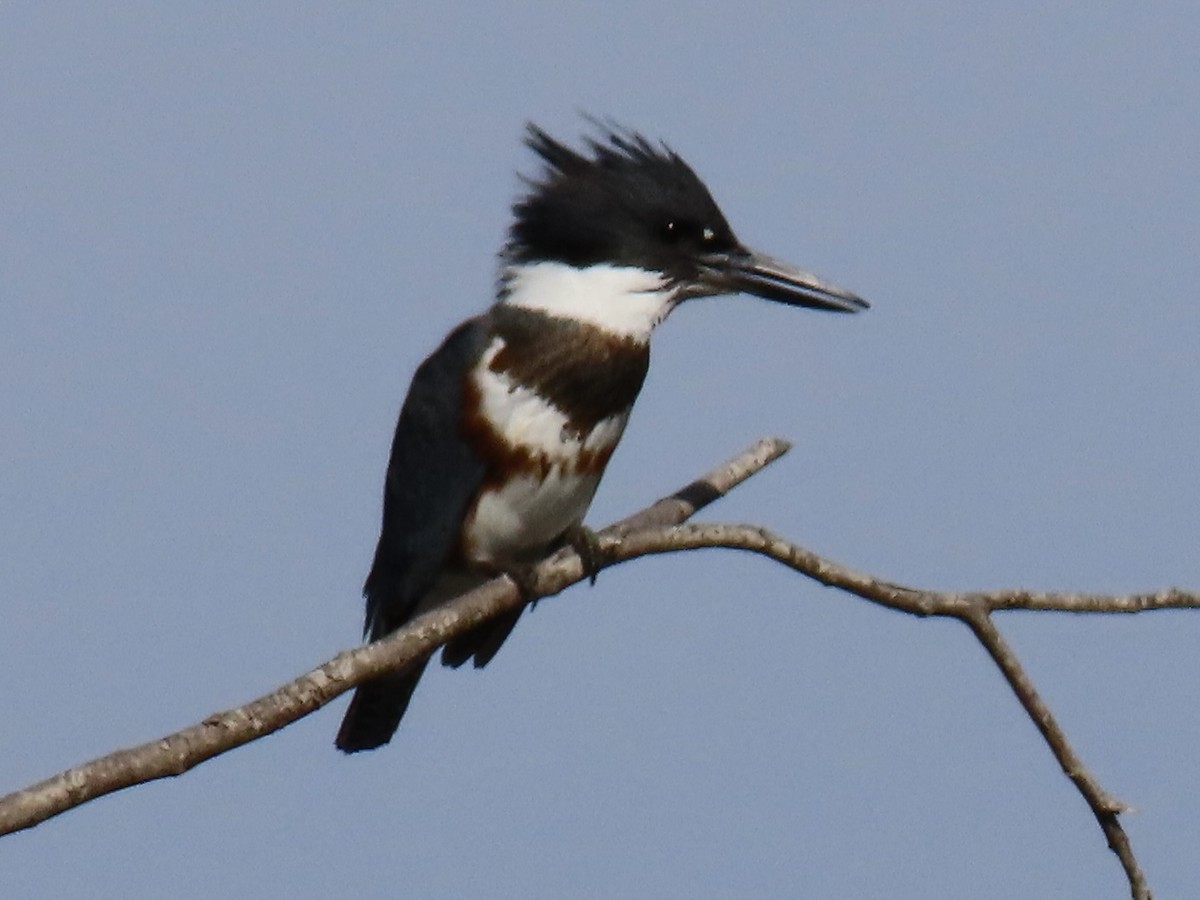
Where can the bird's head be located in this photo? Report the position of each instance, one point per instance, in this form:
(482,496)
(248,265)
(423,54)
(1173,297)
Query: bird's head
(625,202)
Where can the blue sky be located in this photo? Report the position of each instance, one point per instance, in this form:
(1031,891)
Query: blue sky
(229,235)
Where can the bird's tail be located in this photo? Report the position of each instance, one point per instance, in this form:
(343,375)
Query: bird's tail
(482,642)
(377,708)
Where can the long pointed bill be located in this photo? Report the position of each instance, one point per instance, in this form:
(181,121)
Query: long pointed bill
(773,279)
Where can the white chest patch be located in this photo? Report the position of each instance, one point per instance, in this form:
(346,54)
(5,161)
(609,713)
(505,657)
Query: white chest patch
(524,515)
(522,417)
(622,300)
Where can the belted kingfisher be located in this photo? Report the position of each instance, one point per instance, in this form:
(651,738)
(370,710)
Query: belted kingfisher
(508,426)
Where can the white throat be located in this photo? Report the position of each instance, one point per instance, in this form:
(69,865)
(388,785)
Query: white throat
(622,300)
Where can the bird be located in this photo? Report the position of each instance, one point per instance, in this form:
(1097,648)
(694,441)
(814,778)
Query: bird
(508,426)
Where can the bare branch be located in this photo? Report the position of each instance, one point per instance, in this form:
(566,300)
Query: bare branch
(1104,806)
(176,753)
(902,598)
(655,530)
(974,609)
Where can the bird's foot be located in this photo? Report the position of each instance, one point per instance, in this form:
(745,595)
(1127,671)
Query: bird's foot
(586,543)
(524,577)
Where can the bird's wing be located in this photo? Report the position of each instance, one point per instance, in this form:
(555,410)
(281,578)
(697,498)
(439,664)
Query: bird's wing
(431,477)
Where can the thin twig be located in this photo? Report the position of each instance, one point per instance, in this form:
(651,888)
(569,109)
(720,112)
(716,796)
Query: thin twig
(1104,806)
(902,598)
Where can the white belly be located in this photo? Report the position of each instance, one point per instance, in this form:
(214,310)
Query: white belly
(522,517)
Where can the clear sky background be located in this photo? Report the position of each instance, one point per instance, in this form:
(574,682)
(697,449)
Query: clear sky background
(228,234)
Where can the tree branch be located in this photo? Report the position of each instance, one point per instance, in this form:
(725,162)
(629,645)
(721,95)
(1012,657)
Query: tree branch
(973,609)
(656,529)
(176,753)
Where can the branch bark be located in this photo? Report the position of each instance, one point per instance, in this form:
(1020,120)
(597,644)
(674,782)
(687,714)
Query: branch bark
(220,732)
(657,529)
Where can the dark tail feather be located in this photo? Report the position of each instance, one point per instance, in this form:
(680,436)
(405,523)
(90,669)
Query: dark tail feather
(482,641)
(377,708)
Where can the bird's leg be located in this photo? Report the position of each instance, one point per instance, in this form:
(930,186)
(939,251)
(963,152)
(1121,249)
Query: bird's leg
(523,576)
(579,538)
(586,543)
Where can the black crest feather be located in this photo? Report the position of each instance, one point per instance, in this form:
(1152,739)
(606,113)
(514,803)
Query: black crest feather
(621,199)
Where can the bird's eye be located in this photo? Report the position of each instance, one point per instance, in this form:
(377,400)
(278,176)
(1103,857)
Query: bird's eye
(676,231)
